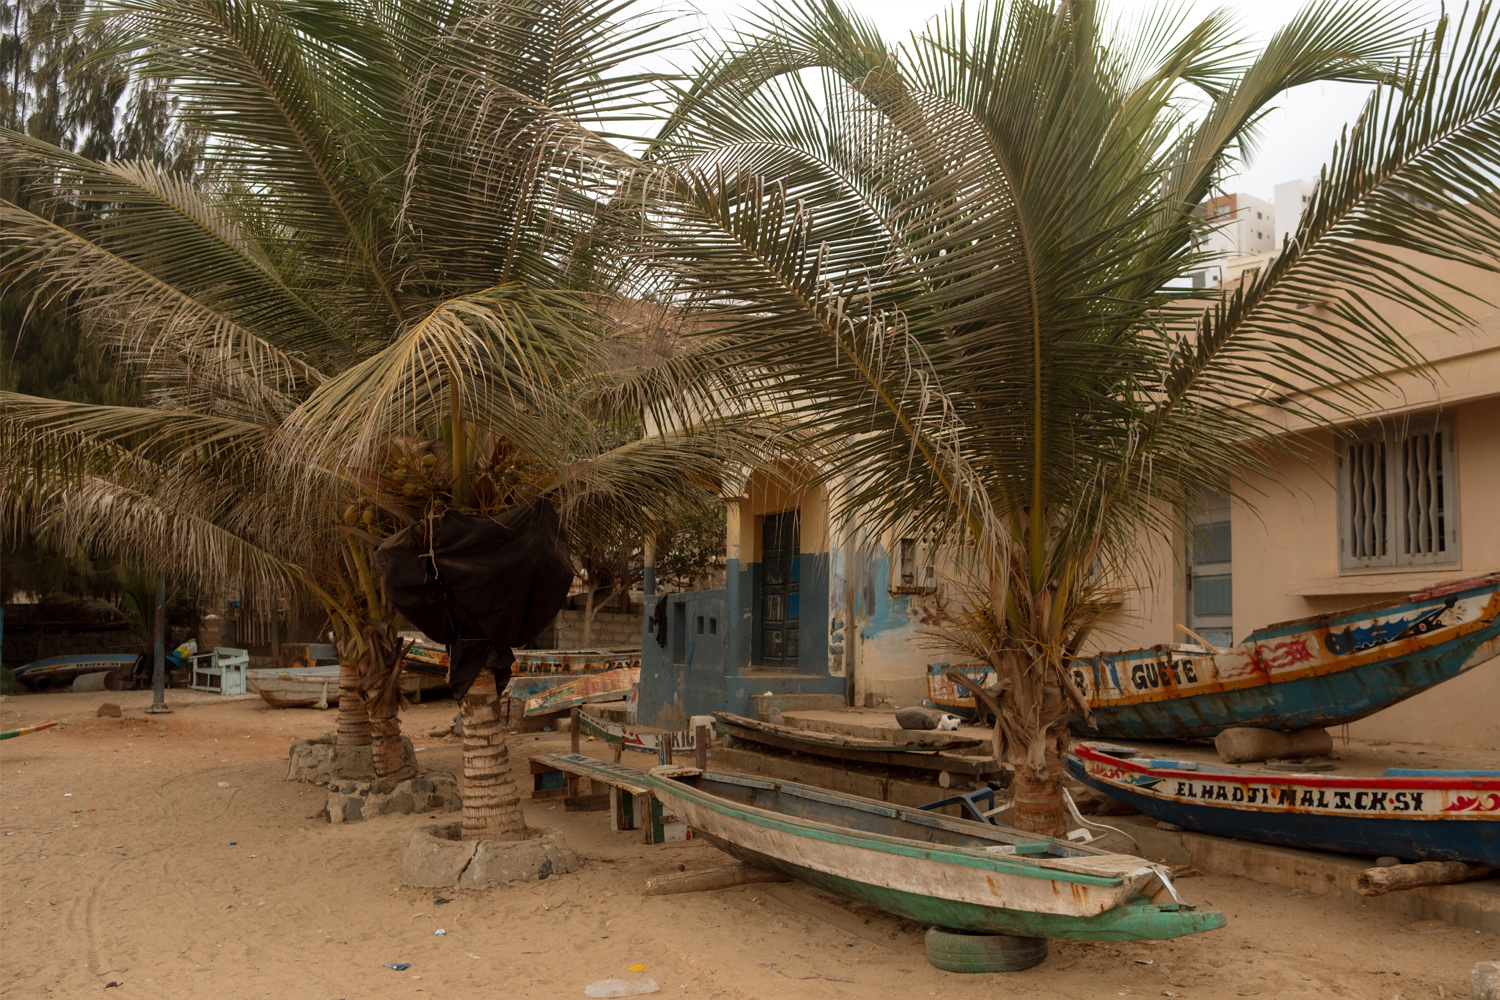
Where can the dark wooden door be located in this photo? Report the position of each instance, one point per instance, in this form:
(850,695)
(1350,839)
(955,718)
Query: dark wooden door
(779,605)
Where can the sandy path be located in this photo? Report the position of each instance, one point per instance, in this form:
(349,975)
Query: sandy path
(116,865)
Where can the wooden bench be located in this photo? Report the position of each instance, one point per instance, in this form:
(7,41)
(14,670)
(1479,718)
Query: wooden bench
(631,804)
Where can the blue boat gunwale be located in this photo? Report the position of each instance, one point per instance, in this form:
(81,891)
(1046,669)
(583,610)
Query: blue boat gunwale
(884,843)
(1483,782)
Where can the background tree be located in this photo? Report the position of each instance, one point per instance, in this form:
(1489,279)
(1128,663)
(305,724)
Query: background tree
(395,232)
(959,261)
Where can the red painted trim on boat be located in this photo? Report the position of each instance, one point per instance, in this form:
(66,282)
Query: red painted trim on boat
(1327,781)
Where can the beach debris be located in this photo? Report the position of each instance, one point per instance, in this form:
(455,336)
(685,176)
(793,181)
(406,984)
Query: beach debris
(398,966)
(223,784)
(440,900)
(108,710)
(638,986)
(919,718)
(440,932)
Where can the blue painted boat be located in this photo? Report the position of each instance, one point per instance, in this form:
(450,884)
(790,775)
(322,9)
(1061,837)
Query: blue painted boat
(60,671)
(1315,672)
(1414,815)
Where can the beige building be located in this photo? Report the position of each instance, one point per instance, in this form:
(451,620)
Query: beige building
(1404,495)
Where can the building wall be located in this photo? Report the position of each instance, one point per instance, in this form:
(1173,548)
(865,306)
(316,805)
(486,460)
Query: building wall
(716,670)
(1286,566)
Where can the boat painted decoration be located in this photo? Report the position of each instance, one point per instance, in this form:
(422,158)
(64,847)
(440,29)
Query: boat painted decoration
(61,671)
(532,670)
(607,685)
(947,695)
(643,738)
(1315,672)
(1415,815)
(924,866)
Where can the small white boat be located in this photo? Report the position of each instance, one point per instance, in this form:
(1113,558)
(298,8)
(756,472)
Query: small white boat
(318,687)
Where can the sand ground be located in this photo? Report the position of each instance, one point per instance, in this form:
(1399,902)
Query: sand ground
(125,860)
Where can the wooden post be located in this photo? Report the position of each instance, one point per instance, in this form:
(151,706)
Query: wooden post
(700,747)
(573,727)
(619,750)
(721,877)
(1379,881)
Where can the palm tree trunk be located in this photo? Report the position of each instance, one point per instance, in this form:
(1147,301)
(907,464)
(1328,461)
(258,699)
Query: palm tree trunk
(492,802)
(1038,792)
(354,717)
(391,758)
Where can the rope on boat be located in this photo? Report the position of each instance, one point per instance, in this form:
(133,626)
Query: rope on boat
(11,734)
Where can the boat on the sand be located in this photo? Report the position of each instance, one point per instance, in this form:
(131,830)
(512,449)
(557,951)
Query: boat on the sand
(62,671)
(1415,815)
(954,873)
(1311,673)
(318,687)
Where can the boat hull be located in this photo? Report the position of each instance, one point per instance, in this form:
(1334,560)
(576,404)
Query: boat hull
(1317,673)
(1413,818)
(1137,920)
(948,880)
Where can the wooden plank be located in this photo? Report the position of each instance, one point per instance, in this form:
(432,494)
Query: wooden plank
(720,877)
(916,741)
(952,763)
(629,778)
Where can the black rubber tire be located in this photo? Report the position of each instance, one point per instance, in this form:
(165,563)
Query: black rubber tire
(960,951)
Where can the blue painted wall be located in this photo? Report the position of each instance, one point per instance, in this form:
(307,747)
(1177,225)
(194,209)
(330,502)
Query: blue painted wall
(715,672)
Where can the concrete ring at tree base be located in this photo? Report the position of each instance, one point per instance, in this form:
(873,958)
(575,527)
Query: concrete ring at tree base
(960,951)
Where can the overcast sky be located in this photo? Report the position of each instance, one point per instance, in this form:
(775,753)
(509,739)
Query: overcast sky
(1298,136)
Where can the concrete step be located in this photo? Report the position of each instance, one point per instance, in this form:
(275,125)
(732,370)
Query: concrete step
(760,704)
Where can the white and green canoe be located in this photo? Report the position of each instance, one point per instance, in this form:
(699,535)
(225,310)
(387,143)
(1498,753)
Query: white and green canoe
(954,873)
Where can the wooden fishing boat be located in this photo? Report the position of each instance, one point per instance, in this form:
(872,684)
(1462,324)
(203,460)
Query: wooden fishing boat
(607,685)
(318,687)
(955,873)
(61,671)
(833,744)
(1415,815)
(633,737)
(1315,672)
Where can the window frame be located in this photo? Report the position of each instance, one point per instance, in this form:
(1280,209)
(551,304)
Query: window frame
(1393,435)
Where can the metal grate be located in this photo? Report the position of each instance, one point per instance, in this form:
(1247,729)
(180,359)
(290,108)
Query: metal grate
(1422,467)
(1367,511)
(1396,499)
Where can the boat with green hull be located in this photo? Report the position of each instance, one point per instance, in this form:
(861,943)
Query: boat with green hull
(955,873)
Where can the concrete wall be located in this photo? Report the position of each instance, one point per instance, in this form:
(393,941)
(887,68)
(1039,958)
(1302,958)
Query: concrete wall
(611,630)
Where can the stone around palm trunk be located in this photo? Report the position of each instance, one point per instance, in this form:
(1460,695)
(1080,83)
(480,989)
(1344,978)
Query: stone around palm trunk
(492,801)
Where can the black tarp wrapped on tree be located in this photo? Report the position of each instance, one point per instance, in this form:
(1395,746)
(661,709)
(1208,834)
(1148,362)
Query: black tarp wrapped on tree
(482,586)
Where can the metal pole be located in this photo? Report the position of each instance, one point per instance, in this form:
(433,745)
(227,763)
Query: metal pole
(159,674)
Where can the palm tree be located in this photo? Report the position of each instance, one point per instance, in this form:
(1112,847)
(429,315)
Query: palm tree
(393,236)
(964,263)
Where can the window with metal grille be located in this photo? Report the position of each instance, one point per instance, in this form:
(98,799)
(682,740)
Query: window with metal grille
(1398,497)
